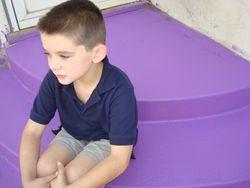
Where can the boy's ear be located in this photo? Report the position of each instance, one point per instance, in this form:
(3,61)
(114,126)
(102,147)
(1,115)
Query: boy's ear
(100,51)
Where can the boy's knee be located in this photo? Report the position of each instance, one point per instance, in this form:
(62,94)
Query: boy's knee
(45,167)
(72,174)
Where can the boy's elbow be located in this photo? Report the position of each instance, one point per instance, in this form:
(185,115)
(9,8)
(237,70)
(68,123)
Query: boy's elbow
(121,163)
(125,163)
(33,128)
(124,167)
(121,154)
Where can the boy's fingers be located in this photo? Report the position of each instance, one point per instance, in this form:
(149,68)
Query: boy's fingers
(60,168)
(49,177)
(61,174)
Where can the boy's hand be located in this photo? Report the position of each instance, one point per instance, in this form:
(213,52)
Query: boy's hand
(42,182)
(60,181)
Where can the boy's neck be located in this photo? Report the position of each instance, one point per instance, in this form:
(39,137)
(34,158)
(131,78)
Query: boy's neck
(92,78)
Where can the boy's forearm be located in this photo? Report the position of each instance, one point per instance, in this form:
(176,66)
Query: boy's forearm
(29,152)
(101,174)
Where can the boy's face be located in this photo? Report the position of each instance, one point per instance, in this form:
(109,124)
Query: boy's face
(69,62)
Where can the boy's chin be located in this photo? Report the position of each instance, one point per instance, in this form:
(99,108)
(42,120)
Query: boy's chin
(64,82)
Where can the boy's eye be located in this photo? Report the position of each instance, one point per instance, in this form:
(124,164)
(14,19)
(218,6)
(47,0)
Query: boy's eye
(64,57)
(46,53)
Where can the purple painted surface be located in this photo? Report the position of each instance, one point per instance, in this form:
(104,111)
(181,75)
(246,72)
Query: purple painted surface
(178,75)
(15,104)
(9,176)
(18,38)
(206,151)
(195,152)
(187,70)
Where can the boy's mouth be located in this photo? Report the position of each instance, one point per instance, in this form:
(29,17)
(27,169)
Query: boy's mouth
(60,76)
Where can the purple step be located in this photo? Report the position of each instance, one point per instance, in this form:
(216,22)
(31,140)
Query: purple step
(15,106)
(9,175)
(177,72)
(211,152)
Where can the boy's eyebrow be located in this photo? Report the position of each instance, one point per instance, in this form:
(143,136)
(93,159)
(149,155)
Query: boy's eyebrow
(65,52)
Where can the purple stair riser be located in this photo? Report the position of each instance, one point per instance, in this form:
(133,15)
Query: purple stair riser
(168,109)
(193,108)
(160,110)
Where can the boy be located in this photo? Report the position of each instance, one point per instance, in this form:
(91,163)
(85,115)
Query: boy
(95,101)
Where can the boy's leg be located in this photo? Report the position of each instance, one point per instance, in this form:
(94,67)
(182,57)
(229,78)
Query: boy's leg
(63,148)
(78,167)
(91,155)
(47,163)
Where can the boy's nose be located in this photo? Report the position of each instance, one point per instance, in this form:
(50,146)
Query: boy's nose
(55,65)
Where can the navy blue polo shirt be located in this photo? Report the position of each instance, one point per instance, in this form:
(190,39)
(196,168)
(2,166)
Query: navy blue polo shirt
(110,112)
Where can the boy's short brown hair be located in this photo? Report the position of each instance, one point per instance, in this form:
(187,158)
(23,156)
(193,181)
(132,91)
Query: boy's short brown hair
(80,20)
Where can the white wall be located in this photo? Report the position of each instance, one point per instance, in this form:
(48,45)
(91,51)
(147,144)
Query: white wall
(225,21)
(3,21)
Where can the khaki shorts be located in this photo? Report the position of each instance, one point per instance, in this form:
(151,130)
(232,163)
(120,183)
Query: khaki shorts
(94,150)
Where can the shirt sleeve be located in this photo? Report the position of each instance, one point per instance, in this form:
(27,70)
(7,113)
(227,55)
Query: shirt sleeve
(44,105)
(123,119)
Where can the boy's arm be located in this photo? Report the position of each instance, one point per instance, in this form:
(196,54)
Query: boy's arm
(106,170)
(29,150)
(122,135)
